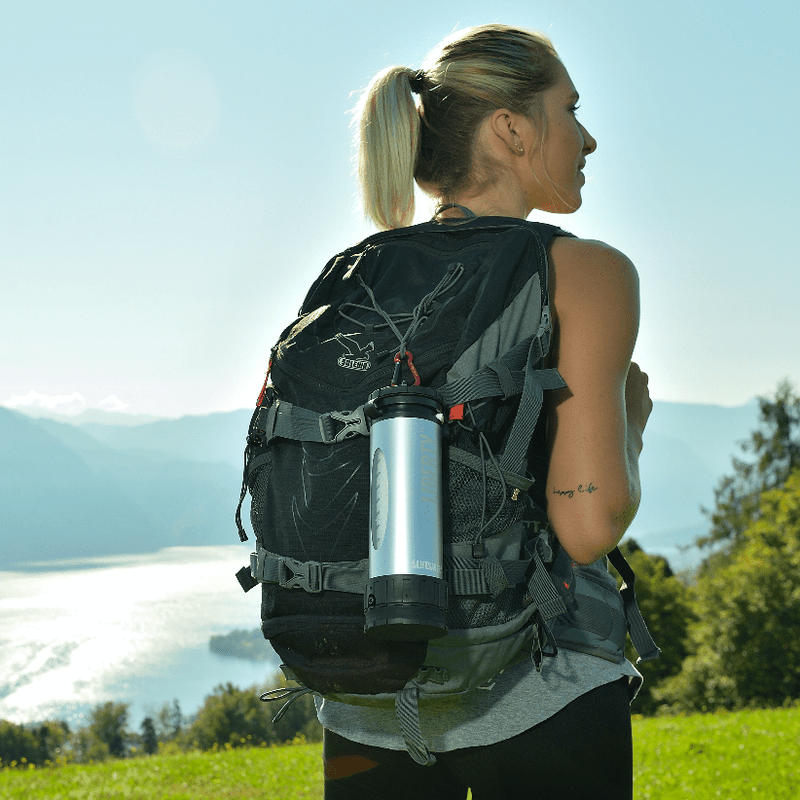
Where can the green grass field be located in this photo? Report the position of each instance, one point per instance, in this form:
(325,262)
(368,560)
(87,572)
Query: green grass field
(727,756)
(709,756)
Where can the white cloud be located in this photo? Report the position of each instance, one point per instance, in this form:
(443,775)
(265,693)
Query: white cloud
(67,404)
(113,403)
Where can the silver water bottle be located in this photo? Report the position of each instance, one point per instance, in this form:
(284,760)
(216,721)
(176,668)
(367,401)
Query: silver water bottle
(406,595)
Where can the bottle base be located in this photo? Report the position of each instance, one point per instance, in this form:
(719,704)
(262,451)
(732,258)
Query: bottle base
(406,608)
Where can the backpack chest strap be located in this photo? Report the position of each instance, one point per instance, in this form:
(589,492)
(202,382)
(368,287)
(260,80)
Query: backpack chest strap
(287,421)
(501,378)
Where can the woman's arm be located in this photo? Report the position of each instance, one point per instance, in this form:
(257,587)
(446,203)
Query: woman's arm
(595,427)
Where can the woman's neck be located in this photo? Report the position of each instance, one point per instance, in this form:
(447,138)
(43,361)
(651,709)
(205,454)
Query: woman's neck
(500,200)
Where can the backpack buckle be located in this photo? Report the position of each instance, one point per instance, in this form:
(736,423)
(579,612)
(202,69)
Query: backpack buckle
(262,426)
(354,423)
(306,575)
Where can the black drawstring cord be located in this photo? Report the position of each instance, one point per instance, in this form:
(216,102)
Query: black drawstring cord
(504,487)
(422,310)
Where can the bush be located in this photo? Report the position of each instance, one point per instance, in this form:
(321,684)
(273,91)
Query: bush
(39,744)
(232,717)
(745,644)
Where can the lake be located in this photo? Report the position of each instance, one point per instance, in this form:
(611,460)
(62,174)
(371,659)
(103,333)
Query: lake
(131,629)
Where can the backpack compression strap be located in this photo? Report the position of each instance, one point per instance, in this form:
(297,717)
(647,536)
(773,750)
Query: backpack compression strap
(486,575)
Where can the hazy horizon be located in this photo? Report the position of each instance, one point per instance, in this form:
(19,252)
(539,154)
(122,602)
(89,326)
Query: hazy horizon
(74,406)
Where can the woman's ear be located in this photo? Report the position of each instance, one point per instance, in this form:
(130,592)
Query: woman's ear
(504,125)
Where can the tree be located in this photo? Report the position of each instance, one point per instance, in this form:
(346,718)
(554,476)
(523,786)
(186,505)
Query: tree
(665,604)
(746,643)
(38,745)
(108,724)
(775,449)
(237,717)
(149,737)
(85,747)
(169,721)
(231,716)
(17,743)
(53,737)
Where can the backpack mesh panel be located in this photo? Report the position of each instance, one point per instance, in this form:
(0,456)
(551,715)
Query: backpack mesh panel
(464,509)
(258,483)
(462,521)
(481,612)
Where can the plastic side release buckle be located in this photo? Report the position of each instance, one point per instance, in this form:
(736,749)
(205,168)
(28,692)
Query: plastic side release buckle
(306,575)
(437,675)
(354,424)
(262,426)
(246,579)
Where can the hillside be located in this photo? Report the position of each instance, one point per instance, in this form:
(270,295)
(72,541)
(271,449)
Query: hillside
(687,449)
(68,495)
(73,491)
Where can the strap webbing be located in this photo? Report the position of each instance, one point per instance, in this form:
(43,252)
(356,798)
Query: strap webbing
(530,404)
(640,636)
(480,466)
(313,576)
(485,576)
(545,595)
(501,378)
(407,707)
(301,424)
(291,422)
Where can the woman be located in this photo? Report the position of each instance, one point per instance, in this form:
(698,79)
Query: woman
(493,132)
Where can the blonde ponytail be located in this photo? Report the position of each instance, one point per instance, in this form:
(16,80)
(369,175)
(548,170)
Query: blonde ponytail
(465,78)
(388,144)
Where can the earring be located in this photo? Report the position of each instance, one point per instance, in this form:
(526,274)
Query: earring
(520,148)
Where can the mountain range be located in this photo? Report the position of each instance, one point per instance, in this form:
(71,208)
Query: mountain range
(102,484)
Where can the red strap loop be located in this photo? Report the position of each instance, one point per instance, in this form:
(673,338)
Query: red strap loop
(264,387)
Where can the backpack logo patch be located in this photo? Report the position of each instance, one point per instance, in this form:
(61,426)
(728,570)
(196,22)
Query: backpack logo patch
(355,357)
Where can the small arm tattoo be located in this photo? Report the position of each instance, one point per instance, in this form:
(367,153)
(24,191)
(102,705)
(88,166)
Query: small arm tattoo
(582,489)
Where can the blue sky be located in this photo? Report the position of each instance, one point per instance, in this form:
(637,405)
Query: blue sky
(174,174)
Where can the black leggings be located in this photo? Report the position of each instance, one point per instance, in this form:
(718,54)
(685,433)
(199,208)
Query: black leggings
(584,751)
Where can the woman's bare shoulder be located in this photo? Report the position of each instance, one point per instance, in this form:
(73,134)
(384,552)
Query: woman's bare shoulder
(594,293)
(586,258)
(587,272)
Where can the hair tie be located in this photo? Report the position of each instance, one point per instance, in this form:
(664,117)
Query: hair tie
(417,81)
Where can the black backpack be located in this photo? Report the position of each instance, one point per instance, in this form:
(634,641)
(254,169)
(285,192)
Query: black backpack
(462,309)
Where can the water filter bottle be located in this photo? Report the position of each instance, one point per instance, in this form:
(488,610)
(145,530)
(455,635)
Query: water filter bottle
(406,595)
